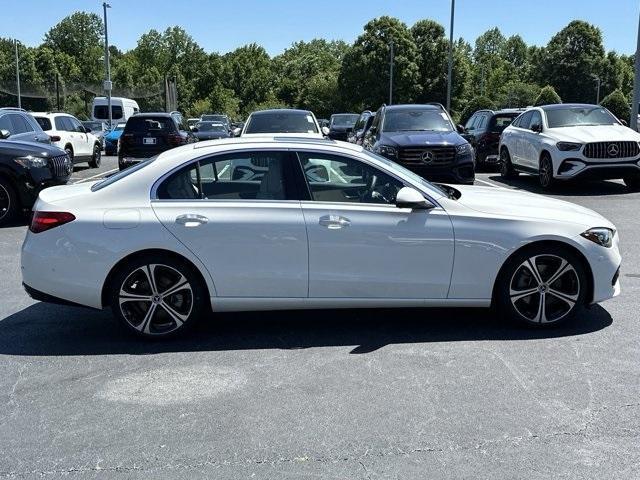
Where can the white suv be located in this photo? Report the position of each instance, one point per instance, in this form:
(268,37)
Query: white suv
(68,133)
(567,141)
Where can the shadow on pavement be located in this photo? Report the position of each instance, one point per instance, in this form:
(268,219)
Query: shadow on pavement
(44,329)
(570,189)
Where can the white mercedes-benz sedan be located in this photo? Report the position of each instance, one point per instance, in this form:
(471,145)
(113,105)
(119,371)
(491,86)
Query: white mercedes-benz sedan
(286,223)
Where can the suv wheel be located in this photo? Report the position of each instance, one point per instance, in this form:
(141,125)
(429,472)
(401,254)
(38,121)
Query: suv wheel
(542,286)
(96,158)
(506,167)
(69,152)
(156,297)
(8,202)
(545,173)
(633,183)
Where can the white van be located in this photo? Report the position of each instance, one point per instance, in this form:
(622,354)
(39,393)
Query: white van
(121,109)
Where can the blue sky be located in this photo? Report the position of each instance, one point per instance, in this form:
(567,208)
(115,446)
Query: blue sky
(223,25)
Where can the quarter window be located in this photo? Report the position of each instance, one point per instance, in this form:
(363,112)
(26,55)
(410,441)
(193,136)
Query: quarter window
(333,178)
(237,176)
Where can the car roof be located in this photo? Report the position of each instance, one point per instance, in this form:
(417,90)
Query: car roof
(560,106)
(412,106)
(51,114)
(153,114)
(280,110)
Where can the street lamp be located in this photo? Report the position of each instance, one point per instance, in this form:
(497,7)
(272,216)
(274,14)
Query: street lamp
(18,74)
(391,73)
(598,82)
(453,7)
(107,66)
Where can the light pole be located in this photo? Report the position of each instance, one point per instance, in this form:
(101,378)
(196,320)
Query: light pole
(107,66)
(598,82)
(391,73)
(449,72)
(636,87)
(18,74)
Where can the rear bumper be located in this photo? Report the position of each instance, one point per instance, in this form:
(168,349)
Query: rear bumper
(45,297)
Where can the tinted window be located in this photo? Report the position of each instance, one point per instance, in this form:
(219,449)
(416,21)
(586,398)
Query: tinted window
(210,127)
(5,123)
(102,112)
(502,121)
(237,176)
(482,122)
(138,124)
(120,175)
(332,178)
(20,125)
(470,125)
(44,123)
(536,119)
(75,125)
(525,119)
(572,116)
(343,120)
(416,120)
(282,122)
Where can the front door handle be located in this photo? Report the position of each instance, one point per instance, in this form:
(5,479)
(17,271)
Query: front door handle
(191,220)
(333,222)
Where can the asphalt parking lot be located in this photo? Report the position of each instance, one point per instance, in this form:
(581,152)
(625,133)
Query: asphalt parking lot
(330,394)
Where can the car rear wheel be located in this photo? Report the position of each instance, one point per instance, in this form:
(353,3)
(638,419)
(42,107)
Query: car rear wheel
(633,183)
(156,297)
(9,206)
(69,151)
(545,173)
(506,167)
(542,286)
(96,158)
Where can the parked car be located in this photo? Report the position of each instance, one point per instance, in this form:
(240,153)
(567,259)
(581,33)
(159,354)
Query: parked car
(111,139)
(67,133)
(191,122)
(217,117)
(323,122)
(27,167)
(360,128)
(341,125)
(483,132)
(210,130)
(121,109)
(570,141)
(99,129)
(148,134)
(424,139)
(17,124)
(260,220)
(284,122)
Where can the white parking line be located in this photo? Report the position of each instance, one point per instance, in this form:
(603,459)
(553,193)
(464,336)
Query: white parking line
(491,184)
(95,176)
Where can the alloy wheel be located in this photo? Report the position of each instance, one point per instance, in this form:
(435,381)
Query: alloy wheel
(156,299)
(544,288)
(546,173)
(5,202)
(97,156)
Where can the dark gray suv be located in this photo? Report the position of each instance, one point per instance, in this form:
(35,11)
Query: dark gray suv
(17,124)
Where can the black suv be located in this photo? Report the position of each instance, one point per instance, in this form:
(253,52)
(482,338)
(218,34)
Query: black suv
(360,128)
(25,169)
(20,125)
(148,134)
(483,132)
(341,125)
(423,139)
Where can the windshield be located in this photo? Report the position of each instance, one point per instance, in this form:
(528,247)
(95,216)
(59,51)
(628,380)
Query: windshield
(215,118)
(417,179)
(347,120)
(575,116)
(121,174)
(416,120)
(93,125)
(282,122)
(210,127)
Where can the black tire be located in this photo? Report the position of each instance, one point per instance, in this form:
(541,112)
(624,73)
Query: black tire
(633,183)
(9,202)
(69,152)
(173,314)
(96,158)
(506,167)
(545,172)
(564,296)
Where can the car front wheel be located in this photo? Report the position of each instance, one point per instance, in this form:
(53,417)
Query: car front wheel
(8,202)
(506,167)
(542,286)
(157,297)
(96,157)
(545,173)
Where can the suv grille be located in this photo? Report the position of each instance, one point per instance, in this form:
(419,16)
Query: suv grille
(61,166)
(611,150)
(427,156)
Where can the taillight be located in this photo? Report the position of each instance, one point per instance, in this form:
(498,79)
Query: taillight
(175,139)
(43,221)
(126,137)
(54,138)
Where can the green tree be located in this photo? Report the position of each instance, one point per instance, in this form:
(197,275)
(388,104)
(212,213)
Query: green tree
(547,96)
(517,94)
(249,74)
(432,46)
(618,104)
(475,104)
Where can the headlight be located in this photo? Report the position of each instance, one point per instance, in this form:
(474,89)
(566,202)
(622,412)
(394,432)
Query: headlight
(31,162)
(568,146)
(388,151)
(464,148)
(601,235)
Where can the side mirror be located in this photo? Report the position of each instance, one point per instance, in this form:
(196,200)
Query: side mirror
(325,131)
(461,129)
(409,197)
(236,132)
(536,127)
(4,134)
(624,122)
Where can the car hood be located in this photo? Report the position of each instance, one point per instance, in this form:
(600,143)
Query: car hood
(596,133)
(417,138)
(293,135)
(18,148)
(513,203)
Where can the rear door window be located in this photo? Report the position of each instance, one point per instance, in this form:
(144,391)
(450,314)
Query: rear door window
(20,125)
(524,121)
(44,123)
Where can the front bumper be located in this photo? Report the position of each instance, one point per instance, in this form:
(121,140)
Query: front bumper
(605,267)
(576,167)
(460,170)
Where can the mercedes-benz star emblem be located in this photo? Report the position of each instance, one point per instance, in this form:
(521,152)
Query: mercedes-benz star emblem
(427,157)
(613,150)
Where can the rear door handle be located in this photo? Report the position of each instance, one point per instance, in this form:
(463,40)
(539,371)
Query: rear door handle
(333,222)
(191,220)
